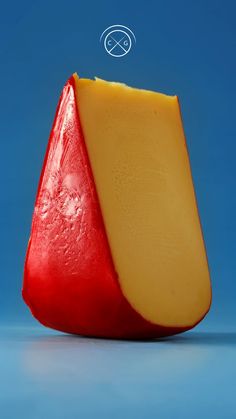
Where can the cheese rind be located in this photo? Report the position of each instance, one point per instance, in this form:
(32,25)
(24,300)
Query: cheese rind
(137,151)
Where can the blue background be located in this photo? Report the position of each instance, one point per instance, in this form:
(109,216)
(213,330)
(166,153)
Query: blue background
(185,48)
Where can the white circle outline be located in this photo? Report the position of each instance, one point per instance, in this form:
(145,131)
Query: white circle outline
(120,55)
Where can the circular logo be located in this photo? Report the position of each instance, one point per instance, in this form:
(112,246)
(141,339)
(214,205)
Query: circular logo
(117,40)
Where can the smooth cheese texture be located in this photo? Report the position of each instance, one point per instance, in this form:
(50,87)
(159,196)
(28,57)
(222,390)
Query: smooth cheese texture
(137,150)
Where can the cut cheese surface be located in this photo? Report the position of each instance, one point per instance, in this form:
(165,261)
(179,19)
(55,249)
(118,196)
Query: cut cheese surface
(138,155)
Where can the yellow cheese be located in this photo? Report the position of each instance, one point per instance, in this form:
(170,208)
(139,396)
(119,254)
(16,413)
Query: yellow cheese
(138,155)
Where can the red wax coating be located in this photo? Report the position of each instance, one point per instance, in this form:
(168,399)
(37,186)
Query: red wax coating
(70,283)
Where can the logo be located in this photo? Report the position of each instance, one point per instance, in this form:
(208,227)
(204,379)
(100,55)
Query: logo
(117,40)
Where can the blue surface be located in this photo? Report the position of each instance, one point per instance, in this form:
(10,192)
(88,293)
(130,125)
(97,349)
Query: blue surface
(185,48)
(47,375)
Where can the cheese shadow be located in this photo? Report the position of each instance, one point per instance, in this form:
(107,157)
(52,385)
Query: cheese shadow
(202,338)
(186,339)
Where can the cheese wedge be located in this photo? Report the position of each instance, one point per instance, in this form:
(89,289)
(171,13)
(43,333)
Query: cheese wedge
(116,247)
